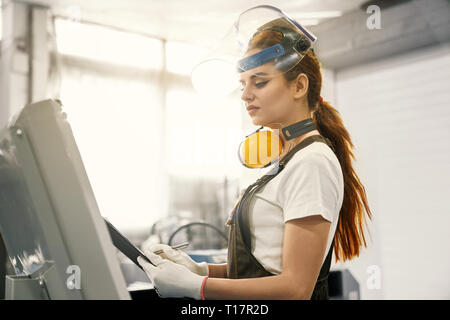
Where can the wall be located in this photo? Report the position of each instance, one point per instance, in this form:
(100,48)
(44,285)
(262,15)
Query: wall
(396,111)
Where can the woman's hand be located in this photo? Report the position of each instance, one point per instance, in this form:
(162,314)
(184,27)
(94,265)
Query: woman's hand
(171,279)
(179,257)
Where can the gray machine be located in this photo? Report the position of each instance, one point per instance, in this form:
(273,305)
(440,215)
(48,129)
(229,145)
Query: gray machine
(343,285)
(55,237)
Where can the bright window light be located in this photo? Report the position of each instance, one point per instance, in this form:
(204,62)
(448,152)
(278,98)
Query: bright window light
(317,15)
(117,125)
(182,57)
(203,135)
(107,45)
(215,77)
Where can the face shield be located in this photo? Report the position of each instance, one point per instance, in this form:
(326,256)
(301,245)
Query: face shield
(262,40)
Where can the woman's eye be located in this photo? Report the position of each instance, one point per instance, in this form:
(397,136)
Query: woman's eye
(256,84)
(261,84)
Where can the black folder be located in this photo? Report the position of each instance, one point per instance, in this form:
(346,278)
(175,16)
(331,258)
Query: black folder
(124,245)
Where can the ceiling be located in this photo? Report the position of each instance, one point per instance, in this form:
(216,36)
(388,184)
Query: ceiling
(194,21)
(343,41)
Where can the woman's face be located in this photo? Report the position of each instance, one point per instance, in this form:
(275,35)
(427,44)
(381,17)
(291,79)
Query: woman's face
(267,95)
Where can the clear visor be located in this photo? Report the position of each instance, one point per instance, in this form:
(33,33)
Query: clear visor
(261,37)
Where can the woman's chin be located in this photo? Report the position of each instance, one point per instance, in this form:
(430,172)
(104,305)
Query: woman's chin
(261,122)
(256,121)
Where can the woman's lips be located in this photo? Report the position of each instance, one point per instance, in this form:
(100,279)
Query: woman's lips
(251,109)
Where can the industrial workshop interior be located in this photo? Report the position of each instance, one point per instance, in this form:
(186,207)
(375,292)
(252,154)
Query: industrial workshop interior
(160,150)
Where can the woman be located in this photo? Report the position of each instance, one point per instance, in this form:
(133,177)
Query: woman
(284,229)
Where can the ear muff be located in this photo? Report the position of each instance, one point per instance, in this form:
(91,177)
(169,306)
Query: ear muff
(260,149)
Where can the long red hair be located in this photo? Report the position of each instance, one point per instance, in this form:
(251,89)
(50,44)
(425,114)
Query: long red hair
(349,236)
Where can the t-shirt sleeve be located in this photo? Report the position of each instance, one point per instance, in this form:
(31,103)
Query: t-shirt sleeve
(310,187)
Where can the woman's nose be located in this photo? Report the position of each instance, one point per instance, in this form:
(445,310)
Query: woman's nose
(247,95)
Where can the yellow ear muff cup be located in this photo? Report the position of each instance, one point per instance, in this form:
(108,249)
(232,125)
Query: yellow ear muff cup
(260,149)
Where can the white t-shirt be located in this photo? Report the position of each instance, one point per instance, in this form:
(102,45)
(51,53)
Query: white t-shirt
(311,183)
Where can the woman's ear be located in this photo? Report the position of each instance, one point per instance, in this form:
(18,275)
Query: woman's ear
(300,86)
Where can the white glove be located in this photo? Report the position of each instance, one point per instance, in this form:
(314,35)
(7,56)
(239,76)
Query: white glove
(171,279)
(179,257)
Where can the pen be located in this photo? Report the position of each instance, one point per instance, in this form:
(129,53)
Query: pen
(176,247)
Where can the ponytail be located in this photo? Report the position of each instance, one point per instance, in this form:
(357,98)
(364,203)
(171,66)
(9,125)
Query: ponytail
(349,234)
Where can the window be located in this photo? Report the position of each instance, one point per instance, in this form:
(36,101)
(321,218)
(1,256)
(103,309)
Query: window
(181,57)
(105,45)
(111,94)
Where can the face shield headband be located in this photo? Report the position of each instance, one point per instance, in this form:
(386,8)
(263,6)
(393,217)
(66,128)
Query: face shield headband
(292,45)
